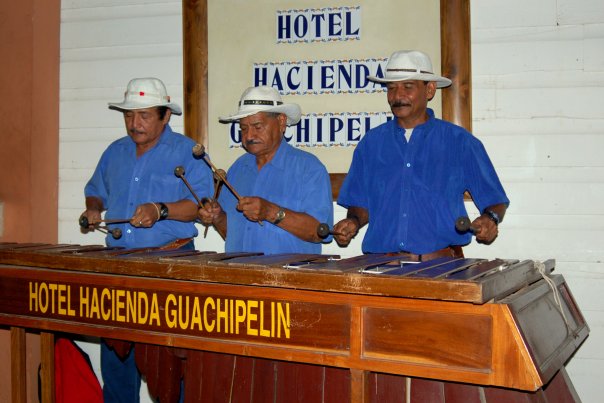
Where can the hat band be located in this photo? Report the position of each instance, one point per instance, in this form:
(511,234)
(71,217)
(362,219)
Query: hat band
(260,102)
(411,71)
(148,95)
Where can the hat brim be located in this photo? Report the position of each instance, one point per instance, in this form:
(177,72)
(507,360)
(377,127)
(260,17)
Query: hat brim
(132,106)
(441,82)
(292,111)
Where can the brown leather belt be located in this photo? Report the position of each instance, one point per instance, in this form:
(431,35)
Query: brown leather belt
(176,244)
(450,251)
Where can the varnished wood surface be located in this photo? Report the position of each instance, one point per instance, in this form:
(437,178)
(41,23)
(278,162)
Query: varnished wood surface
(195,69)
(456,61)
(17,344)
(47,367)
(331,322)
(343,276)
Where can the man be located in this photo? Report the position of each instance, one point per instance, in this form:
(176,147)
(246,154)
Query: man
(408,176)
(286,191)
(135,180)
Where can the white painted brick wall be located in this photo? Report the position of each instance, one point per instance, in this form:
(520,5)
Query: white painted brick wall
(538,69)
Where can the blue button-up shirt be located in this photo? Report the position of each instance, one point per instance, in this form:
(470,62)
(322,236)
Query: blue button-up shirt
(123,181)
(414,191)
(293,179)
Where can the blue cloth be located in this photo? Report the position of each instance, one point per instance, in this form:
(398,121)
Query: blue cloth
(414,190)
(124,181)
(293,179)
(121,379)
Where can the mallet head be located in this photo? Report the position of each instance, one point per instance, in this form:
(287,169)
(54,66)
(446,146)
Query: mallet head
(199,150)
(179,171)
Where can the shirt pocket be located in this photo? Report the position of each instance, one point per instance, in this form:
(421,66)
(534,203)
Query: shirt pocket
(164,188)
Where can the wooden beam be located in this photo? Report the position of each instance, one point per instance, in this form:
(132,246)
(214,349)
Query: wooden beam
(195,69)
(47,367)
(18,366)
(456,60)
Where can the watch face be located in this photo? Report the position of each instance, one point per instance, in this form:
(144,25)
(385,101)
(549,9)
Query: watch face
(280,216)
(163,212)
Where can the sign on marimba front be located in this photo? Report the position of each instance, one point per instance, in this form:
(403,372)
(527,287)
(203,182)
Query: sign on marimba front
(208,310)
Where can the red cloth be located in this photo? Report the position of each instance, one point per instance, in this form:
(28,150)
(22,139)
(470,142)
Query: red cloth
(75,381)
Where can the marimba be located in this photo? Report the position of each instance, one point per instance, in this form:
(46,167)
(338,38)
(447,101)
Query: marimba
(294,327)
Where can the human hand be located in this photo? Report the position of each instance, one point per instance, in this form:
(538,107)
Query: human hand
(257,209)
(145,215)
(485,229)
(210,211)
(345,230)
(92,217)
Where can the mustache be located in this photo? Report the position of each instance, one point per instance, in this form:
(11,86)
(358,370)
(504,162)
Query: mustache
(251,142)
(398,104)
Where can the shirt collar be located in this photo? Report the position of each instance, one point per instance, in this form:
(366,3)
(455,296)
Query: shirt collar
(278,161)
(427,123)
(280,158)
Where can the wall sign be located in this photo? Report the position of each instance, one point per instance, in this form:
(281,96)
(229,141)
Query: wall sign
(318,24)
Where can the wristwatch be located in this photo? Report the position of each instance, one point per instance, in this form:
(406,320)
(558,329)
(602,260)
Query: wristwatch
(280,216)
(163,211)
(493,216)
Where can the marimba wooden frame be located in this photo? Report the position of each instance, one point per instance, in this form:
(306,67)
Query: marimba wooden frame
(339,319)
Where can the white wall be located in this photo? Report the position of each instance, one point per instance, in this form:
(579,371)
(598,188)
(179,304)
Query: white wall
(538,71)
(538,68)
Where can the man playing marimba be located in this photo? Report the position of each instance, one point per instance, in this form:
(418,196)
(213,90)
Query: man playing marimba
(408,176)
(135,180)
(286,191)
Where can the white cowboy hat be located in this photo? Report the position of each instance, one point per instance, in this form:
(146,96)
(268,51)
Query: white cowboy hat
(144,93)
(410,65)
(263,99)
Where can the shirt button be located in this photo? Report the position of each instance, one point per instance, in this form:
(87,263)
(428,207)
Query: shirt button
(408,164)
(402,245)
(136,179)
(404,214)
(128,231)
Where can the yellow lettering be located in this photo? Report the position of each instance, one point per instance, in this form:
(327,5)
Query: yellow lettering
(183,323)
(209,325)
(33,296)
(252,317)
(106,296)
(52,288)
(240,312)
(170,312)
(231,317)
(272,319)
(143,308)
(154,314)
(61,299)
(43,297)
(84,302)
(263,332)
(131,307)
(283,320)
(95,306)
(196,316)
(222,315)
(70,310)
(120,305)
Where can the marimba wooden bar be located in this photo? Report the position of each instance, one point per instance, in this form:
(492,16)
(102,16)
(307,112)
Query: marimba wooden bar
(496,324)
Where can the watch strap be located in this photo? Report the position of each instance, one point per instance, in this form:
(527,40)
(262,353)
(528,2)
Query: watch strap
(163,211)
(493,216)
